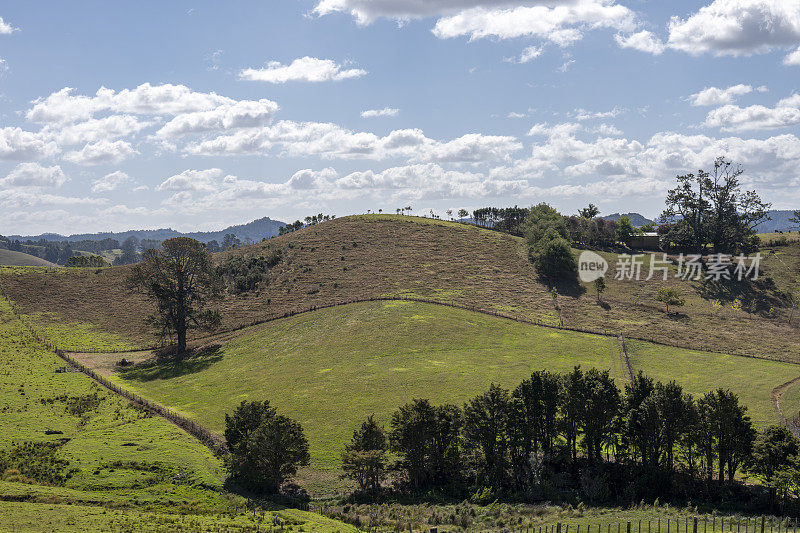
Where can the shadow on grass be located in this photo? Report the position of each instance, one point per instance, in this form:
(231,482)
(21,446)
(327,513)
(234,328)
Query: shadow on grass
(172,367)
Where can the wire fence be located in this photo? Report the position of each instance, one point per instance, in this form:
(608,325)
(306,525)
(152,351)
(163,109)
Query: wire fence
(210,440)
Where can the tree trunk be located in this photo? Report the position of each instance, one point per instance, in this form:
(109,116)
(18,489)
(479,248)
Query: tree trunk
(181,341)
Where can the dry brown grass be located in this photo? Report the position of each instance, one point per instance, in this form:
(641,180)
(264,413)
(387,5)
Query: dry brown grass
(363,257)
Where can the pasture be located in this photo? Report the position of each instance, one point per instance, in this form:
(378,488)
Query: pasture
(332,368)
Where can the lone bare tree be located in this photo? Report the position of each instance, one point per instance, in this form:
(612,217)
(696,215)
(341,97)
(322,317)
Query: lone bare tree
(180,278)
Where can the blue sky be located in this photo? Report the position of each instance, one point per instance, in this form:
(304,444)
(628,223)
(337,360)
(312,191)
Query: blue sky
(197,115)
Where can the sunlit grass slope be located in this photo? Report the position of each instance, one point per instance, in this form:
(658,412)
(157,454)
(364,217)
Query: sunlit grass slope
(132,472)
(332,368)
(700,372)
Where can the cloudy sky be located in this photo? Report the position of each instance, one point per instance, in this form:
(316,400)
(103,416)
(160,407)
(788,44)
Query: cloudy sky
(197,115)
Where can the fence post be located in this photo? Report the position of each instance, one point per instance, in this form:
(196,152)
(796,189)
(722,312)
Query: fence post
(694,528)
(762,523)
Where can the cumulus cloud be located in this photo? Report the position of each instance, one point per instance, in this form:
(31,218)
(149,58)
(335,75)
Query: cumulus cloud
(385,112)
(331,141)
(627,167)
(146,99)
(34,175)
(93,130)
(192,180)
(6,28)
(17,144)
(101,152)
(644,41)
(737,27)
(561,25)
(242,114)
(366,11)
(756,117)
(714,96)
(110,182)
(792,59)
(309,69)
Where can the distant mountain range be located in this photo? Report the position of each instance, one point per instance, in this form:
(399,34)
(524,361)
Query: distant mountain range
(635,218)
(779,221)
(254,231)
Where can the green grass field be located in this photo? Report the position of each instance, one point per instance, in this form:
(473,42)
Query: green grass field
(700,372)
(131,471)
(330,369)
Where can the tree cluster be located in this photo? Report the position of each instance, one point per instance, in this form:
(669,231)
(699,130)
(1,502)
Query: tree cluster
(575,434)
(265,448)
(548,245)
(82,261)
(710,209)
(508,219)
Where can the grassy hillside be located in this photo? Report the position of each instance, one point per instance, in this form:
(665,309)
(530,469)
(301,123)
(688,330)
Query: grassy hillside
(366,256)
(12,258)
(128,468)
(332,368)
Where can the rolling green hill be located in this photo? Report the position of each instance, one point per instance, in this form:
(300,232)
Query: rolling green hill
(12,258)
(361,257)
(332,368)
(129,471)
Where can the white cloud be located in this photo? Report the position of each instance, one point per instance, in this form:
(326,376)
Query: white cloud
(644,41)
(146,99)
(101,152)
(737,27)
(385,112)
(242,114)
(310,69)
(528,54)
(17,144)
(93,130)
(6,28)
(561,25)
(34,175)
(583,114)
(756,117)
(627,167)
(330,141)
(792,59)
(110,182)
(607,129)
(192,180)
(366,11)
(17,198)
(714,96)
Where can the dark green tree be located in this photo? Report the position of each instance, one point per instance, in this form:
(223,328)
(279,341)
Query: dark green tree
(270,455)
(485,419)
(426,438)
(589,212)
(774,451)
(364,458)
(600,411)
(180,278)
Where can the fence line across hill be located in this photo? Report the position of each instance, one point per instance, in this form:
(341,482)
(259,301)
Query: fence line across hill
(686,524)
(210,440)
